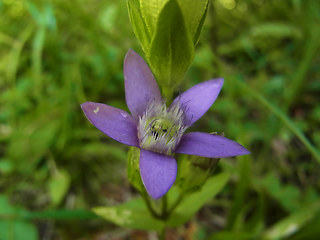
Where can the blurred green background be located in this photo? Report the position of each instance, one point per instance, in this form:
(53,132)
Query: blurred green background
(55,55)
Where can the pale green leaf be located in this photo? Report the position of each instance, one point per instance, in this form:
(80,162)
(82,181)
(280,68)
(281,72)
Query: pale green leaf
(35,12)
(138,24)
(172,49)
(6,166)
(308,231)
(58,186)
(133,169)
(194,13)
(199,28)
(133,214)
(293,223)
(150,10)
(193,202)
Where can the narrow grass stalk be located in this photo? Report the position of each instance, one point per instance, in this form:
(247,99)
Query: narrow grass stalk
(52,214)
(285,119)
(299,78)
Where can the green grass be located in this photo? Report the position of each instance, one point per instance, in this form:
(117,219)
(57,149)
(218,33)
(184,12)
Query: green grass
(55,166)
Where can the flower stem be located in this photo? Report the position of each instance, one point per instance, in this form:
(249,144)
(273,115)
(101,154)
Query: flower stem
(176,203)
(147,201)
(162,234)
(164,216)
(164,213)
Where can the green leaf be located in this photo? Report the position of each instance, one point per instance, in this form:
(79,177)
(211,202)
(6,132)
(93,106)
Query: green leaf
(309,231)
(278,30)
(35,12)
(138,24)
(133,169)
(31,142)
(225,235)
(172,49)
(133,214)
(6,166)
(287,195)
(293,222)
(199,28)
(194,13)
(58,186)
(17,230)
(108,17)
(150,10)
(49,17)
(193,202)
(60,214)
(11,229)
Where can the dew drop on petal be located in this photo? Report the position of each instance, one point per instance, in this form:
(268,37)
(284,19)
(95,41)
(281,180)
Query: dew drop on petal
(123,114)
(96,110)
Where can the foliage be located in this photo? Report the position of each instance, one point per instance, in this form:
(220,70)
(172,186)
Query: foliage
(57,54)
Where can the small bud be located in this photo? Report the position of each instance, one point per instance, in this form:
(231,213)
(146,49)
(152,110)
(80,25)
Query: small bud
(194,172)
(133,169)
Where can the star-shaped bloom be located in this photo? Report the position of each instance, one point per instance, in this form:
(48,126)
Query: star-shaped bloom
(159,130)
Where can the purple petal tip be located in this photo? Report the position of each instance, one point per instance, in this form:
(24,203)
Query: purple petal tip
(158,172)
(114,122)
(208,145)
(140,84)
(199,98)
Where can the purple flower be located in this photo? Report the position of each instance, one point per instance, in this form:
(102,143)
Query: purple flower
(158,130)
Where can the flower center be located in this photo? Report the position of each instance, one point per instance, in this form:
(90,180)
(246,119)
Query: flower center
(160,128)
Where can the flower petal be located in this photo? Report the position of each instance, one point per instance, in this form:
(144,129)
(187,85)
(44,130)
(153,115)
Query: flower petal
(140,84)
(198,99)
(114,122)
(158,172)
(209,145)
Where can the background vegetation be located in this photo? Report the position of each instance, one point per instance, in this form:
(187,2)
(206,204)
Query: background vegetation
(55,166)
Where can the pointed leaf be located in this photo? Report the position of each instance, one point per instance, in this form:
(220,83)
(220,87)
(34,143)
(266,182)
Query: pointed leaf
(138,24)
(133,169)
(58,186)
(293,223)
(194,13)
(199,28)
(172,50)
(193,202)
(133,214)
(150,10)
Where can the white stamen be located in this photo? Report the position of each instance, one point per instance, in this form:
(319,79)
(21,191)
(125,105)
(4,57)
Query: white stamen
(160,128)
